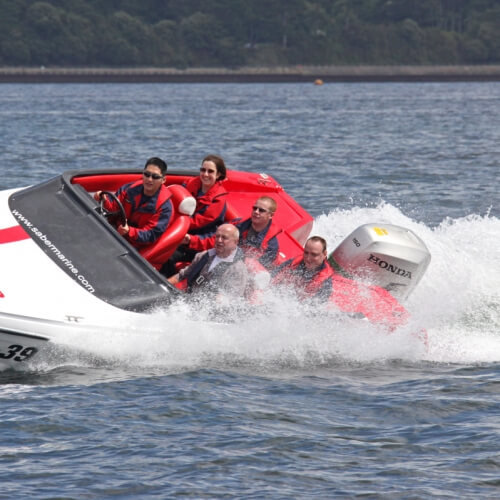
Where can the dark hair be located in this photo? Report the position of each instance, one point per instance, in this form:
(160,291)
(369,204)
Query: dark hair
(320,239)
(219,164)
(158,162)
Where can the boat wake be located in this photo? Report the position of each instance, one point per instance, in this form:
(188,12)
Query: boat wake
(458,299)
(457,302)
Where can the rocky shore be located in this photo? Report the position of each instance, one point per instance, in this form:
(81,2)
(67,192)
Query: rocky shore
(318,74)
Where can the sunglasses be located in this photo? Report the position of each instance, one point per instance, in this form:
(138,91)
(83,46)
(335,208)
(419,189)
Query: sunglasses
(207,170)
(259,209)
(148,174)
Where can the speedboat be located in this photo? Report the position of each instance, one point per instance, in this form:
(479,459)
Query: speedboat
(64,269)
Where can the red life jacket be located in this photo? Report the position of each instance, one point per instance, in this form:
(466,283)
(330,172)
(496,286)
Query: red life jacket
(210,207)
(147,221)
(373,302)
(259,252)
(318,284)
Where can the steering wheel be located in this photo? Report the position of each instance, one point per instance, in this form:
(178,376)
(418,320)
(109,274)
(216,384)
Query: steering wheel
(106,213)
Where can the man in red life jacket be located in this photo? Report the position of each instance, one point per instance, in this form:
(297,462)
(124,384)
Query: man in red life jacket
(258,234)
(312,277)
(147,205)
(310,274)
(220,271)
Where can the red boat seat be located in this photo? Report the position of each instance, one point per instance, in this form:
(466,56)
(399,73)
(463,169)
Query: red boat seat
(232,214)
(183,207)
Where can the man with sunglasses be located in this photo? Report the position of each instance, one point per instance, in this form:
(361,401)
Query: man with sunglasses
(258,234)
(309,274)
(147,205)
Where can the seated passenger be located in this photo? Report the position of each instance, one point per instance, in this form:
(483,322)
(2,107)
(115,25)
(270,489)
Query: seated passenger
(147,205)
(210,211)
(210,196)
(220,271)
(258,234)
(310,275)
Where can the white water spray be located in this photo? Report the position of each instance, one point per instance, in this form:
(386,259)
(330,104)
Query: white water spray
(457,302)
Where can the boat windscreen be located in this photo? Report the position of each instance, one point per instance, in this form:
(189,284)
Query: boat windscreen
(62,220)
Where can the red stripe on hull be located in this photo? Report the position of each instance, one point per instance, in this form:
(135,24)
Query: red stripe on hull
(11,234)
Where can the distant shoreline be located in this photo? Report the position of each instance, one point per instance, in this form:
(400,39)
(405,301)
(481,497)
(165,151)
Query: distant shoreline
(289,74)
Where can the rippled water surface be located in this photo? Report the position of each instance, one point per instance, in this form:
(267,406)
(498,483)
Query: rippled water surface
(293,405)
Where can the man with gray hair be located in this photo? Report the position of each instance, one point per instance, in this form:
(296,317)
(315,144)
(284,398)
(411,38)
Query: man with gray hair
(220,270)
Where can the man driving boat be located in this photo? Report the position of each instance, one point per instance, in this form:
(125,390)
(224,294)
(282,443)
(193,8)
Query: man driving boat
(147,205)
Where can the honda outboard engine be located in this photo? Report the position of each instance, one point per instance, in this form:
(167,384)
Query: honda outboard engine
(389,256)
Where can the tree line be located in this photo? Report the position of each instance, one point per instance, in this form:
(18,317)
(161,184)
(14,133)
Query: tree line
(235,33)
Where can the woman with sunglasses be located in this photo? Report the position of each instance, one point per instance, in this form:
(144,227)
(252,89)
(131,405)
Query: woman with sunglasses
(210,212)
(147,205)
(210,196)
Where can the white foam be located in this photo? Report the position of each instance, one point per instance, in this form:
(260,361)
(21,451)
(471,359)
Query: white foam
(457,302)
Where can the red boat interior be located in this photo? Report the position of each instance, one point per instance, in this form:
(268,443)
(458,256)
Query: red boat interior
(243,187)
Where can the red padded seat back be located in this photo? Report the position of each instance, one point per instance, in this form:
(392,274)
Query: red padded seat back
(183,207)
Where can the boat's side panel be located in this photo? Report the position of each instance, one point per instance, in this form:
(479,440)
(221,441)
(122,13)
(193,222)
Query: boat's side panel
(63,223)
(18,348)
(39,303)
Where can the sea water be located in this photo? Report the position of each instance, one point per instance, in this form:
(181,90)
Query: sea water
(296,404)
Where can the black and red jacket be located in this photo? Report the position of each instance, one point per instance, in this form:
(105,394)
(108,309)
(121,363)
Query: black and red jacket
(210,209)
(147,216)
(316,283)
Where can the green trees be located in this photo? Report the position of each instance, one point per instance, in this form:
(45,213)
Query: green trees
(230,33)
